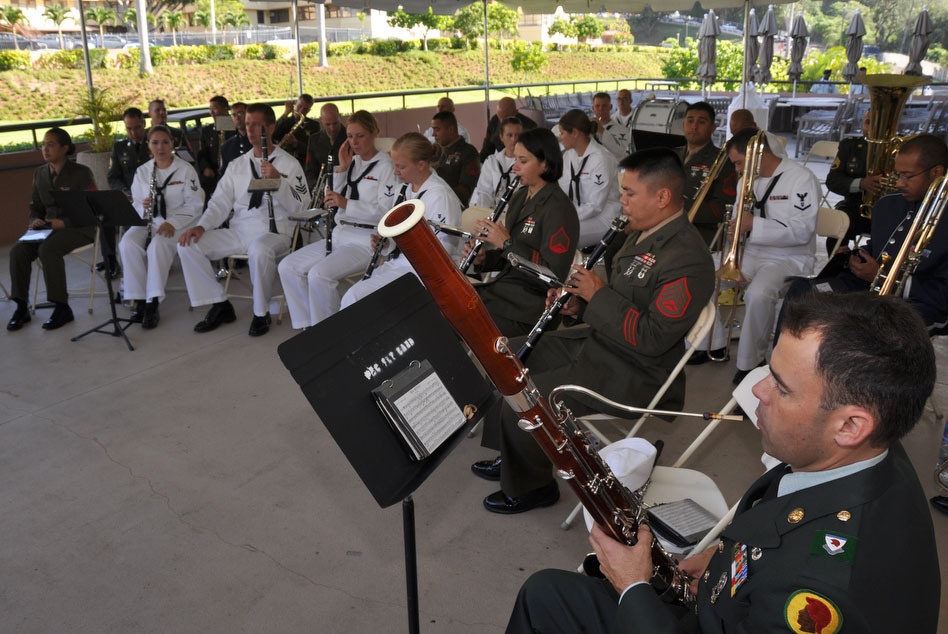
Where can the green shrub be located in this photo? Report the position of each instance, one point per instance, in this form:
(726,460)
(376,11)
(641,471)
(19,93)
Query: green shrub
(10,60)
(60,60)
(439,43)
(460,43)
(340,49)
(310,51)
(384,48)
(219,52)
(252,51)
(620,39)
(272,51)
(408,45)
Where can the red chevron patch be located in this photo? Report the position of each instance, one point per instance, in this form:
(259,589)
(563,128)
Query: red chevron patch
(559,242)
(629,325)
(674,298)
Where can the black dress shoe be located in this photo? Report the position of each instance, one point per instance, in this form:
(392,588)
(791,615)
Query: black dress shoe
(499,502)
(61,316)
(138,313)
(260,325)
(20,317)
(940,502)
(487,469)
(151,316)
(220,313)
(700,357)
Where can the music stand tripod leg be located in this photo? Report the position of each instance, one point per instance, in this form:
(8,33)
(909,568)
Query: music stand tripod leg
(116,322)
(411,564)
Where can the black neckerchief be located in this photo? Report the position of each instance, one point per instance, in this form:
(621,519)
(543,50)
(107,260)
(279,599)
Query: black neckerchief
(760,204)
(256,198)
(574,180)
(352,186)
(160,206)
(504,177)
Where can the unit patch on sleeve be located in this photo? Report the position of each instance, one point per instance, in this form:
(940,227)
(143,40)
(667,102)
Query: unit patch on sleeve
(809,612)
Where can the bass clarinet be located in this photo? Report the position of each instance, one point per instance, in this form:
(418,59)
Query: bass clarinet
(618,510)
(499,209)
(618,224)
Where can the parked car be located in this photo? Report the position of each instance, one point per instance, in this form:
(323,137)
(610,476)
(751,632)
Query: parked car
(51,40)
(6,42)
(110,41)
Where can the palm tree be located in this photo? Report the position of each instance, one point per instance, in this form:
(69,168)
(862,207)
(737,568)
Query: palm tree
(173,20)
(14,17)
(202,17)
(235,18)
(101,16)
(57,14)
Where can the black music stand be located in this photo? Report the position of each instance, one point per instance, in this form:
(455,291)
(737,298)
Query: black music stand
(340,360)
(106,209)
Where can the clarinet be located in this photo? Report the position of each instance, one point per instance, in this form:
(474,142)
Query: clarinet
(618,224)
(377,251)
(269,194)
(331,216)
(499,209)
(617,509)
(149,215)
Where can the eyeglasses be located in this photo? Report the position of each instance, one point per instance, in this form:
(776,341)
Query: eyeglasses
(899,176)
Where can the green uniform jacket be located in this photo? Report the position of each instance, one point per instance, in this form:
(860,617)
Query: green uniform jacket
(850,165)
(883,578)
(73,177)
(722,192)
(544,230)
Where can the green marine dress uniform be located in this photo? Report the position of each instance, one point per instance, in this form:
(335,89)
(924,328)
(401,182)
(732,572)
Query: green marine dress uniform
(634,336)
(543,230)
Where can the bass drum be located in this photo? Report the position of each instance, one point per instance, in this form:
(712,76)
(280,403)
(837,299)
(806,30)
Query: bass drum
(665,116)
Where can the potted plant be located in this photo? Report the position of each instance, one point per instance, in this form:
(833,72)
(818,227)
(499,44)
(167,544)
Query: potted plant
(103,110)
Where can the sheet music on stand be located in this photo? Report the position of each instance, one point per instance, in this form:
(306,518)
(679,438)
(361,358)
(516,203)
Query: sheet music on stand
(419,408)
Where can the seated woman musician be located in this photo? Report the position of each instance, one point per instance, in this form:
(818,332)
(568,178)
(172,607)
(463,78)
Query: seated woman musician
(167,191)
(541,227)
(414,159)
(58,173)
(362,192)
(590,177)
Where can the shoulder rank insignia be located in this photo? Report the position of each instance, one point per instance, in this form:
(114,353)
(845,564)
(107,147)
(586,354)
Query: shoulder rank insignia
(806,612)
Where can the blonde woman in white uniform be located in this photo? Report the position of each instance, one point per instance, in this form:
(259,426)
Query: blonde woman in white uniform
(414,159)
(363,191)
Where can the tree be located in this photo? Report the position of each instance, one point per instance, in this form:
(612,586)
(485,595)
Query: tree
(202,17)
(527,57)
(587,27)
(427,21)
(173,20)
(57,14)
(131,18)
(502,22)
(566,28)
(13,17)
(236,19)
(101,16)
(646,21)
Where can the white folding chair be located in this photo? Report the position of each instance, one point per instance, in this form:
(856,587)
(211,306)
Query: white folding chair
(85,254)
(695,335)
(832,223)
(823,151)
(243,256)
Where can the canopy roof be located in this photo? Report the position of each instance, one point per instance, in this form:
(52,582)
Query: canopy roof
(448,7)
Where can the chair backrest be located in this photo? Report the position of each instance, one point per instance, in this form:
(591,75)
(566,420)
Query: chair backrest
(832,223)
(825,150)
(384,143)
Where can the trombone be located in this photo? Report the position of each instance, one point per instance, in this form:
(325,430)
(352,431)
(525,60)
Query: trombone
(730,269)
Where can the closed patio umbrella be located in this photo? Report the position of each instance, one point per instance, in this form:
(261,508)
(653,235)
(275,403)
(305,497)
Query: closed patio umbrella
(798,34)
(854,34)
(707,49)
(767,30)
(921,38)
(751,49)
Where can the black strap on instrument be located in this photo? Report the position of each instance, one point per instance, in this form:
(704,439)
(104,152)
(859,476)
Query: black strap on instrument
(352,186)
(161,207)
(574,180)
(761,204)
(256,198)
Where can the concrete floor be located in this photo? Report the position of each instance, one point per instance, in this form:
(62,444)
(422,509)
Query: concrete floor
(188,487)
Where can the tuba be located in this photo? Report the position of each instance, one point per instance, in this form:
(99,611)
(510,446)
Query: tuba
(887,97)
(893,272)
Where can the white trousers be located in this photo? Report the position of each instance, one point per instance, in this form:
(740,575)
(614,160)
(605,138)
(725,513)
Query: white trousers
(262,252)
(768,274)
(145,273)
(383,275)
(310,278)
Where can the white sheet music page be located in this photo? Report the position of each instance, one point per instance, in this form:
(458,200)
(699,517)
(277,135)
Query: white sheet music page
(431,411)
